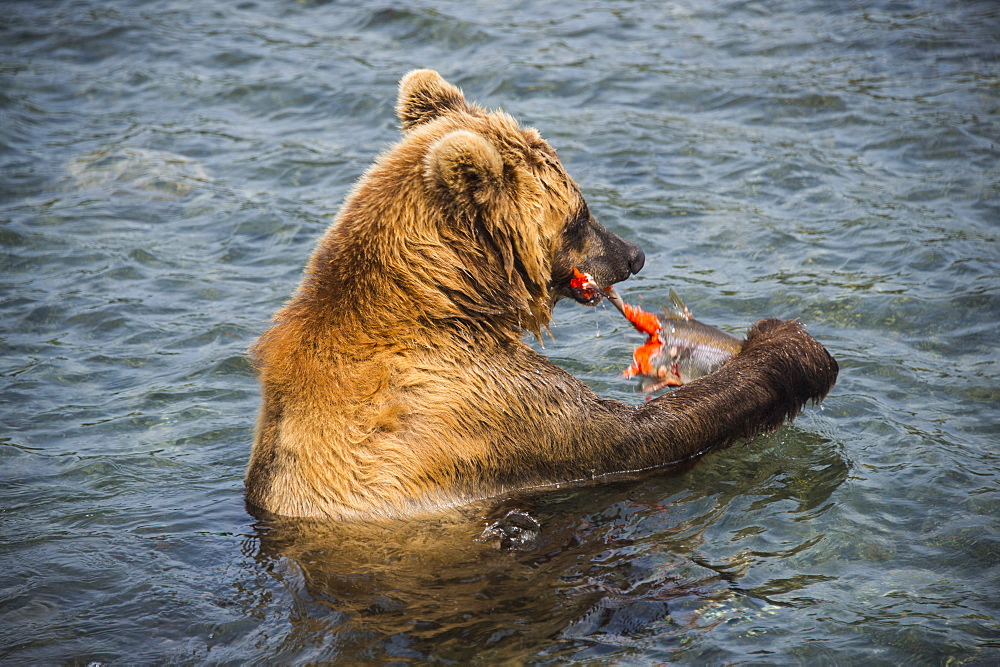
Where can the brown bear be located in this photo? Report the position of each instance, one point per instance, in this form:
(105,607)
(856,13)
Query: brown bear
(396,380)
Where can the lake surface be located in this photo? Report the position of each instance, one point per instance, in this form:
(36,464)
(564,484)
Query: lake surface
(167,166)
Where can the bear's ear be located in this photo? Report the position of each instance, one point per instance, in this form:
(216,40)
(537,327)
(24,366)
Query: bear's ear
(424,95)
(466,165)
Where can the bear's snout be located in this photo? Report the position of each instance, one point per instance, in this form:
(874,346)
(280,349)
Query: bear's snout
(636,258)
(621,259)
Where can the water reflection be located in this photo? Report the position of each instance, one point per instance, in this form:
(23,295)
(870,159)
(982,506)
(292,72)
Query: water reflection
(615,566)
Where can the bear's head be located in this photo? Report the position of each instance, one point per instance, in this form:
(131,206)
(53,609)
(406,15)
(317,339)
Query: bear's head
(479,213)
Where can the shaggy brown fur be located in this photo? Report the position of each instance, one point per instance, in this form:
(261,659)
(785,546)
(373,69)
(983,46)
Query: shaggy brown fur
(396,379)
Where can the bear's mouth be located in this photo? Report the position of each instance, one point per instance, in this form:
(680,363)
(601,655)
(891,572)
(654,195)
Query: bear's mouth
(584,289)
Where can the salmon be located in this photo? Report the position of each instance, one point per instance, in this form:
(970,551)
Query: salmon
(678,349)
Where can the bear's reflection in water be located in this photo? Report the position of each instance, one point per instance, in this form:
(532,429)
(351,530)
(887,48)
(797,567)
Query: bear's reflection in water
(605,566)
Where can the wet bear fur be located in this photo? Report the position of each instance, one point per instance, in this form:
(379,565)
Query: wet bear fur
(396,380)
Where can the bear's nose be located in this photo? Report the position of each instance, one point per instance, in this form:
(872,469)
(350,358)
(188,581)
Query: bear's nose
(637,260)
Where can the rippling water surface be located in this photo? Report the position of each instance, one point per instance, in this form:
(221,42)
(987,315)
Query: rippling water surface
(166,167)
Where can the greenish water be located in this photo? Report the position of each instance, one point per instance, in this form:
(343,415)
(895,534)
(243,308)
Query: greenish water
(165,168)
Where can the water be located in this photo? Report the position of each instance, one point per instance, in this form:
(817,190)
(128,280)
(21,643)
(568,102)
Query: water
(167,167)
